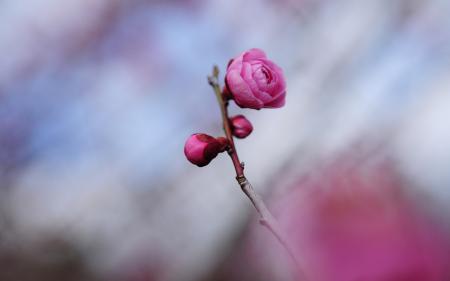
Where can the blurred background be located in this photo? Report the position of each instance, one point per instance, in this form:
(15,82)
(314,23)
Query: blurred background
(98,96)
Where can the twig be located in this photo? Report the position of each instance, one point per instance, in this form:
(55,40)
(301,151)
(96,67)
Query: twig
(266,218)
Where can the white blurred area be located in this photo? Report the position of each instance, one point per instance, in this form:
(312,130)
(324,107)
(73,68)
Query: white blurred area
(97,98)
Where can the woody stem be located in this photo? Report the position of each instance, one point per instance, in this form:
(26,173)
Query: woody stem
(266,217)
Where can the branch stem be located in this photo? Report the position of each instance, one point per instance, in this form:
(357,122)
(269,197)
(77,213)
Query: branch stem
(266,217)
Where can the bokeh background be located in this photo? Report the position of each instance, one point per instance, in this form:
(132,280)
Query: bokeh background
(98,96)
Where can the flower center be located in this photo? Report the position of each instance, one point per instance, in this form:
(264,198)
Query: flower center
(267,74)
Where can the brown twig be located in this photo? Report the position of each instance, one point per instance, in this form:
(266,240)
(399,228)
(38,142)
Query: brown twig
(266,217)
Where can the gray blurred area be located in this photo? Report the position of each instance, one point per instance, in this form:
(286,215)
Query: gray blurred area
(98,96)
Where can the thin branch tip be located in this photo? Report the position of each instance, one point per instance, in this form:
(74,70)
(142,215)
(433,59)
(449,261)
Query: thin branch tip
(211,81)
(216,71)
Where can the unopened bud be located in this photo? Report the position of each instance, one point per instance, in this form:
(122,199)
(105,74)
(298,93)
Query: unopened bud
(200,149)
(240,126)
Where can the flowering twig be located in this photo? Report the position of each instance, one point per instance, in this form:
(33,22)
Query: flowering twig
(266,218)
(252,81)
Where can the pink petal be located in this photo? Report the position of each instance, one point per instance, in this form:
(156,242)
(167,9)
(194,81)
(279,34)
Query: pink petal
(280,85)
(254,54)
(258,91)
(241,91)
(247,75)
(279,101)
(261,81)
(194,150)
(235,63)
(246,71)
(271,65)
(264,97)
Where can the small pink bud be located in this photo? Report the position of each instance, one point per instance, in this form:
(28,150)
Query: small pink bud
(200,149)
(241,126)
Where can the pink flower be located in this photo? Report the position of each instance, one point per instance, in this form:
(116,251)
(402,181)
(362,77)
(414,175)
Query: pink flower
(241,126)
(200,149)
(255,82)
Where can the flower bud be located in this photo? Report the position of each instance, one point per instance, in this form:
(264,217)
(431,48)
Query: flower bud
(200,149)
(240,126)
(255,82)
